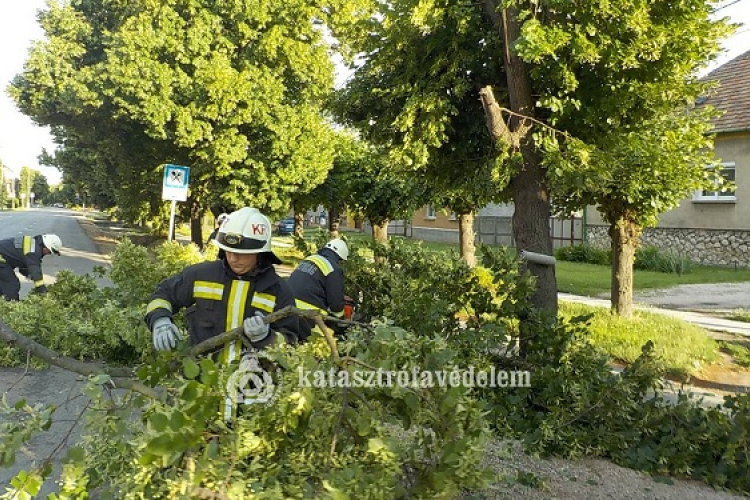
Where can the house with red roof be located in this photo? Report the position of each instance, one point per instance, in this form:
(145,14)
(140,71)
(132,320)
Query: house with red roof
(711,227)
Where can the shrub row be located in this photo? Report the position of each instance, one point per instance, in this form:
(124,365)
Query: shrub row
(647,258)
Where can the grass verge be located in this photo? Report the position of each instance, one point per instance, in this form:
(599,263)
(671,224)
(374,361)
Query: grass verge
(683,348)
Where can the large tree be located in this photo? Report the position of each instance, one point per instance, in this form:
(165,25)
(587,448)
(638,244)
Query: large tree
(618,81)
(232,91)
(417,92)
(550,72)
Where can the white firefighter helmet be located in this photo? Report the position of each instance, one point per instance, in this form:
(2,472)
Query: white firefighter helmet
(339,248)
(246,231)
(52,242)
(221,218)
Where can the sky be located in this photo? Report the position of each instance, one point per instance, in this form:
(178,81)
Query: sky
(21,141)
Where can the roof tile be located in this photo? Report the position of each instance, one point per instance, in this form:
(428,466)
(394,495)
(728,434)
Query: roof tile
(732,95)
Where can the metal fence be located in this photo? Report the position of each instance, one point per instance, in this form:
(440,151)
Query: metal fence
(491,230)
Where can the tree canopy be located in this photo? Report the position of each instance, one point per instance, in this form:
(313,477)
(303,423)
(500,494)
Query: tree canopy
(231,89)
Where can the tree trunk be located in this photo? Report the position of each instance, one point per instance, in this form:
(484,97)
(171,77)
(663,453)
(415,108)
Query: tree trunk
(333,222)
(528,186)
(299,223)
(380,233)
(358,222)
(466,238)
(196,225)
(625,236)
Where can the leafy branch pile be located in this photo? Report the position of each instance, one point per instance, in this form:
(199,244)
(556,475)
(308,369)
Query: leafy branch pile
(426,311)
(308,442)
(575,406)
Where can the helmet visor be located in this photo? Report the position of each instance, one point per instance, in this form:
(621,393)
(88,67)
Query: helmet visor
(239,242)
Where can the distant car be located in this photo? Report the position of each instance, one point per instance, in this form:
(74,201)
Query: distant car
(285,226)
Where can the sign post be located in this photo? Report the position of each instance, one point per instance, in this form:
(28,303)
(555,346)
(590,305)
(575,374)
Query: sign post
(176,178)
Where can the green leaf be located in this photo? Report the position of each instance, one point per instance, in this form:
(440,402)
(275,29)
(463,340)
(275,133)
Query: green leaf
(190,368)
(74,454)
(159,422)
(101,379)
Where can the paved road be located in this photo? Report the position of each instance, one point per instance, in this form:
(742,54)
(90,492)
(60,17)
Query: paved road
(52,385)
(79,253)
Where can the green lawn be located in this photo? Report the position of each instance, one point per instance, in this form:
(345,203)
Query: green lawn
(682,348)
(590,279)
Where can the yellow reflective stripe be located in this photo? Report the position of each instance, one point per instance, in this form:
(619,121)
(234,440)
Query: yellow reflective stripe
(235,315)
(208,290)
(158,304)
(301,304)
(39,282)
(2,259)
(322,263)
(339,314)
(236,304)
(29,245)
(264,301)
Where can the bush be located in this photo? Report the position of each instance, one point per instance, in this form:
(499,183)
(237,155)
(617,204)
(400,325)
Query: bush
(584,253)
(650,258)
(576,406)
(433,293)
(78,320)
(308,441)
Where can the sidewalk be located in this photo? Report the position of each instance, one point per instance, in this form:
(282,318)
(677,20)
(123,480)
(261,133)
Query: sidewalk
(703,320)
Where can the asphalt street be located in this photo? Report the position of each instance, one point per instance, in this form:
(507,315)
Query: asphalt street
(79,253)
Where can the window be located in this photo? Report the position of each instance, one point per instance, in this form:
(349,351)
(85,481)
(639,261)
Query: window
(430,212)
(727,172)
(452,215)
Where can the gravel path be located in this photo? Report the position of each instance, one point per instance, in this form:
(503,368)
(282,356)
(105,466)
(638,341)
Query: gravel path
(523,477)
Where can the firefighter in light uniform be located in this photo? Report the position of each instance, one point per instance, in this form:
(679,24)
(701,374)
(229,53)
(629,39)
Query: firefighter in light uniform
(236,290)
(26,254)
(318,283)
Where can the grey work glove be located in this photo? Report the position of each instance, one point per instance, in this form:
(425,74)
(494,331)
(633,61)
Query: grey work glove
(166,334)
(255,328)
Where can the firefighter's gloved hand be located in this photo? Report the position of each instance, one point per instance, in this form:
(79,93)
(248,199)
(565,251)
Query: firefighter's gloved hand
(40,290)
(255,328)
(166,334)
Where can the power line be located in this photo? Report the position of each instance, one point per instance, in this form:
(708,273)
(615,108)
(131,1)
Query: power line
(717,9)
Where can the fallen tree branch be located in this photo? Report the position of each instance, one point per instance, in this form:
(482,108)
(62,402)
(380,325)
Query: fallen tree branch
(122,377)
(70,364)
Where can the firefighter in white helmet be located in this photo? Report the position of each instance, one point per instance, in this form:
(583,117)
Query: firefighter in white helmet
(236,290)
(318,283)
(221,219)
(25,253)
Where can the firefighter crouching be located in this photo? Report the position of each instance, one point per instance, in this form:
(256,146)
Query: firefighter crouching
(318,284)
(25,253)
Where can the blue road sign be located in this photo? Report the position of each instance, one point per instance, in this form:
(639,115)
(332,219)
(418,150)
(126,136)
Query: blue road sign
(176,180)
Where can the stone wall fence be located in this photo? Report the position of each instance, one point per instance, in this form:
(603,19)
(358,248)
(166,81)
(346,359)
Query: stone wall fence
(716,247)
